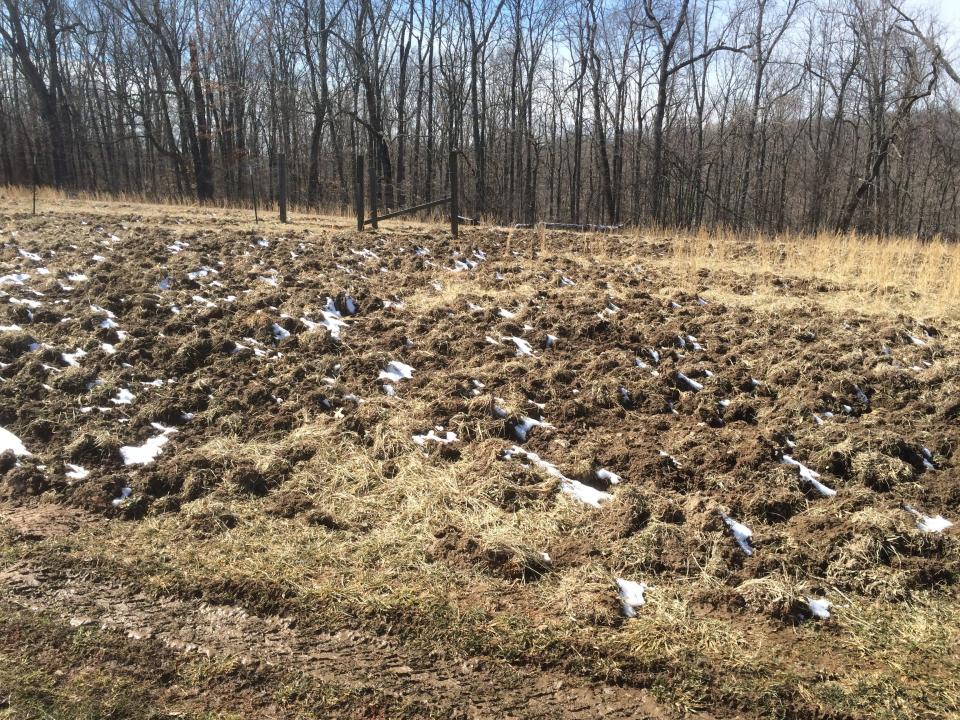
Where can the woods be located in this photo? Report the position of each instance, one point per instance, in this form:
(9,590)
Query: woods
(769,115)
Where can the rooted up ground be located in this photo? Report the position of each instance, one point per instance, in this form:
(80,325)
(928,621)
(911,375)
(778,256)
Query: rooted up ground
(285,470)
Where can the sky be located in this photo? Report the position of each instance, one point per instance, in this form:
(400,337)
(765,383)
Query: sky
(949,13)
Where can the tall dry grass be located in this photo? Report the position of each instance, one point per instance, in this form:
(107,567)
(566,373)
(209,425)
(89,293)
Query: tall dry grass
(899,273)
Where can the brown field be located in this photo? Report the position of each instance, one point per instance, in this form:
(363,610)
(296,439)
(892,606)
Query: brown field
(290,549)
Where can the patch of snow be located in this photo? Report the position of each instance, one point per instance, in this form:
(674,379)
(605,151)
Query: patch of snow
(97,310)
(148,452)
(811,476)
(10,328)
(631,596)
(279,333)
(395,372)
(124,494)
(431,436)
(928,524)
(9,441)
(73,359)
(574,488)
(77,472)
(692,384)
(32,304)
(741,533)
(671,458)
(609,476)
(523,347)
(14,279)
(819,607)
(124,397)
(204,271)
(522,429)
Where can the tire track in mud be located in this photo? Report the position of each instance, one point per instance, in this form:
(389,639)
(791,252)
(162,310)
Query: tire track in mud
(473,688)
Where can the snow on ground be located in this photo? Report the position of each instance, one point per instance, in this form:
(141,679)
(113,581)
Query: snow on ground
(9,441)
(148,452)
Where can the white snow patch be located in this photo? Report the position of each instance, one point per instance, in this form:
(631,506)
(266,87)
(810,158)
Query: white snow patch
(77,472)
(395,372)
(148,452)
(608,475)
(431,436)
(671,458)
(574,488)
(124,397)
(124,494)
(692,384)
(631,596)
(279,333)
(32,304)
(14,279)
(77,278)
(522,429)
(926,523)
(9,441)
(523,347)
(819,607)
(741,533)
(73,359)
(811,476)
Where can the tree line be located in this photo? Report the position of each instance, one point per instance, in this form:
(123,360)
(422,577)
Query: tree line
(769,115)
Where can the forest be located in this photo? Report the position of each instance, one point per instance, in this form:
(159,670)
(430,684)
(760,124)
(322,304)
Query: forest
(758,115)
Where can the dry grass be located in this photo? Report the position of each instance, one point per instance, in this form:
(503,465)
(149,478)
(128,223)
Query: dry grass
(885,272)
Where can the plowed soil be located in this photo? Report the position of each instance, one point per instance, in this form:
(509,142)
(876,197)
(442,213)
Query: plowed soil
(298,525)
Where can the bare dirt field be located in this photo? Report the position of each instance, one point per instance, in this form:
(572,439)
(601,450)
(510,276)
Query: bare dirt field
(300,471)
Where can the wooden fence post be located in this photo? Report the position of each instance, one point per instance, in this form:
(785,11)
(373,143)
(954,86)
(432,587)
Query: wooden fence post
(34,182)
(454,193)
(358,190)
(283,187)
(374,189)
(253,188)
